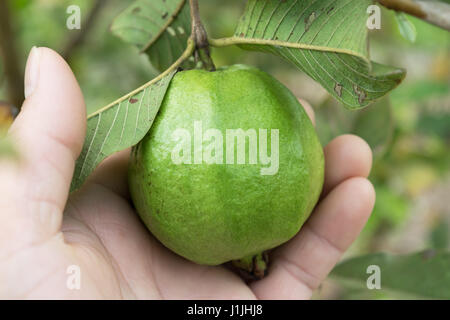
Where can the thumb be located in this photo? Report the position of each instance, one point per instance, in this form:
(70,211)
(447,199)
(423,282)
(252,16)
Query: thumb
(49,131)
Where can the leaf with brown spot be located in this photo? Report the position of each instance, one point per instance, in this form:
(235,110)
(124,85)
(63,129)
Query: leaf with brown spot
(120,125)
(326,39)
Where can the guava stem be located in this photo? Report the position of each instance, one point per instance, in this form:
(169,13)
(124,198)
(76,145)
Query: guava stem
(200,37)
(253,267)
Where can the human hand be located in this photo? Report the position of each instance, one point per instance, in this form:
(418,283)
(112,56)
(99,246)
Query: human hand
(43,231)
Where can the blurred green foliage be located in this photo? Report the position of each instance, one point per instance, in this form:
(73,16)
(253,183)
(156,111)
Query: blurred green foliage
(410,136)
(105,67)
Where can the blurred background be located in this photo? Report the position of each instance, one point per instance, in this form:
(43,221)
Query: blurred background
(409,131)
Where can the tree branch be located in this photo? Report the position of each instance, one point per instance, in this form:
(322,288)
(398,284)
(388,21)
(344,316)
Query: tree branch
(9,55)
(200,37)
(79,36)
(434,12)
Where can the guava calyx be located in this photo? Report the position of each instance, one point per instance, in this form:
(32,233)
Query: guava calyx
(253,267)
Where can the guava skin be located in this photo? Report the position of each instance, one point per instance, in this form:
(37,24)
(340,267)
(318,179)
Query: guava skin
(214,213)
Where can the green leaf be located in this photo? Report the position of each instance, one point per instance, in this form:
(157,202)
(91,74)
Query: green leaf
(327,39)
(119,125)
(421,275)
(406,27)
(160,28)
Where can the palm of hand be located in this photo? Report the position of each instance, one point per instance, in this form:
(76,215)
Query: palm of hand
(102,236)
(123,260)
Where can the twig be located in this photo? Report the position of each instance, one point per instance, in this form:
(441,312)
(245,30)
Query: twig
(434,12)
(79,36)
(200,37)
(9,55)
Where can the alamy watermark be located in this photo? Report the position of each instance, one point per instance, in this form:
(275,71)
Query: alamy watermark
(74,20)
(374,280)
(73,281)
(374,20)
(215,147)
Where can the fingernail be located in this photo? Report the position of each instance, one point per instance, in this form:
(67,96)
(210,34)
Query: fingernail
(32,71)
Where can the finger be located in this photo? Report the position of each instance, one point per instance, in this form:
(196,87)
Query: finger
(346,156)
(309,110)
(113,173)
(50,131)
(300,265)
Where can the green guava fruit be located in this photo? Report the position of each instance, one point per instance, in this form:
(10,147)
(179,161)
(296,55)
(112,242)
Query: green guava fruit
(209,180)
